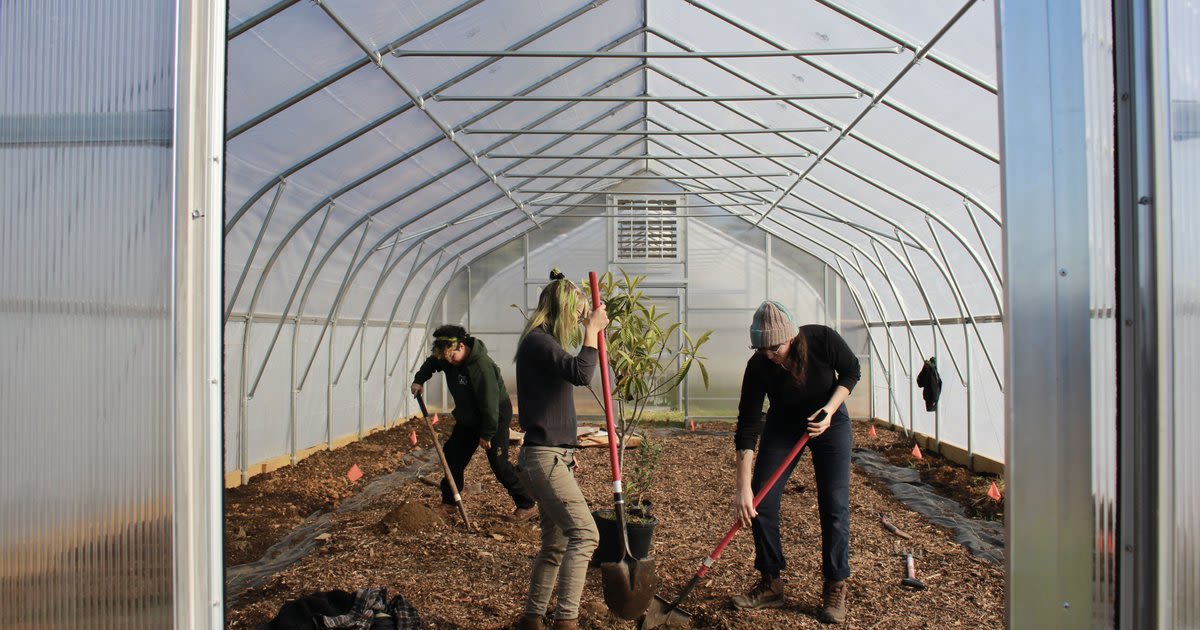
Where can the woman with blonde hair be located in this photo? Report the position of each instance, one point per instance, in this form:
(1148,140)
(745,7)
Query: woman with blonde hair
(546,376)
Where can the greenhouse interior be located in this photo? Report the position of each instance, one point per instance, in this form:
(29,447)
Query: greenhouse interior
(232,228)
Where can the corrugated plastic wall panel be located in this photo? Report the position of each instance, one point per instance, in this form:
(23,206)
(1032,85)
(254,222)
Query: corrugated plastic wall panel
(1098,83)
(86,314)
(1183,40)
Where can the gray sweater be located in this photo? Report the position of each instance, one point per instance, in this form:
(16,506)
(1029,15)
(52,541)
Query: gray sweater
(546,380)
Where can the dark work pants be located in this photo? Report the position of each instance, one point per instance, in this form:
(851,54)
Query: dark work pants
(461,445)
(831,463)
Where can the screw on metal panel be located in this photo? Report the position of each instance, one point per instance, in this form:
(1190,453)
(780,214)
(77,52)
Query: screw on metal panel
(1129,548)
(1062,272)
(1066,605)
(1128,322)
(196,214)
(1144,201)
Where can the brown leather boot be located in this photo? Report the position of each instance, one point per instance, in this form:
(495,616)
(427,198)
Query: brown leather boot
(833,601)
(529,622)
(565,624)
(768,593)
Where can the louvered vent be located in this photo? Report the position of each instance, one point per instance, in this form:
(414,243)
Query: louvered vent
(647,229)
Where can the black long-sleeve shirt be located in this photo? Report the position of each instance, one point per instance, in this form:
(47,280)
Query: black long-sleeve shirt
(546,379)
(830,363)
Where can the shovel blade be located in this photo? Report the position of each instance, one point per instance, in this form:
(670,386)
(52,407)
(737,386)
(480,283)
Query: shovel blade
(629,586)
(660,613)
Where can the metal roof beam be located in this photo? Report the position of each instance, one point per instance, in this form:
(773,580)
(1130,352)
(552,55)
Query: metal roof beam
(654,177)
(652,132)
(992,214)
(920,54)
(909,44)
(416,98)
(351,68)
(344,140)
(542,98)
(858,86)
(992,282)
(621,54)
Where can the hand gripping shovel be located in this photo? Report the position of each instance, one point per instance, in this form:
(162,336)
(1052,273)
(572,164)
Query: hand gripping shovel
(662,612)
(629,583)
(437,446)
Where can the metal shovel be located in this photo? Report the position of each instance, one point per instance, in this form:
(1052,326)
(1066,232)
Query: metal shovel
(662,612)
(629,583)
(437,446)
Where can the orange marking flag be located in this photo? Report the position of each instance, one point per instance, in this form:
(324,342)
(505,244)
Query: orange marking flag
(917,452)
(414,437)
(435,419)
(872,432)
(994,492)
(355,473)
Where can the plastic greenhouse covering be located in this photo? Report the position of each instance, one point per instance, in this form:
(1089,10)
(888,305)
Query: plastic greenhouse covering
(392,166)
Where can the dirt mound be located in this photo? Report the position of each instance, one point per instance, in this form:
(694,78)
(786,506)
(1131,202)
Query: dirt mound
(410,518)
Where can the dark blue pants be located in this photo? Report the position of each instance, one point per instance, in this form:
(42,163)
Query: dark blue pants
(831,463)
(461,445)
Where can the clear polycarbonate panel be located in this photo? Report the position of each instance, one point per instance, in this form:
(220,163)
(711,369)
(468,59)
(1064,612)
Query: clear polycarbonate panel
(87,314)
(1098,82)
(726,261)
(1183,27)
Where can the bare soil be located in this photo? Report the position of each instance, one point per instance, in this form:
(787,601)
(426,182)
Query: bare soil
(459,578)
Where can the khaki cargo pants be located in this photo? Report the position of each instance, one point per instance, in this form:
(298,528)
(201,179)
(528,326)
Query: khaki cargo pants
(569,534)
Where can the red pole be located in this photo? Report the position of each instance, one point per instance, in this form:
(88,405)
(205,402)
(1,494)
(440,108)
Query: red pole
(602,347)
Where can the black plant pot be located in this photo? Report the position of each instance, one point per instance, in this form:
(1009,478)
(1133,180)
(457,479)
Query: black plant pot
(610,549)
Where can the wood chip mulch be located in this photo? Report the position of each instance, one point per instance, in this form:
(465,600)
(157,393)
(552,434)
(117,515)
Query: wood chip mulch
(458,578)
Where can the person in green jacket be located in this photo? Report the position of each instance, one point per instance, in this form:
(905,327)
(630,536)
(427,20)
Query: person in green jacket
(482,412)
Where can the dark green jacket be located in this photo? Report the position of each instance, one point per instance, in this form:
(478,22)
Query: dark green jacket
(476,385)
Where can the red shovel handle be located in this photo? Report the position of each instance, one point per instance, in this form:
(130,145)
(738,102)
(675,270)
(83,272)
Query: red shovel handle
(762,492)
(602,347)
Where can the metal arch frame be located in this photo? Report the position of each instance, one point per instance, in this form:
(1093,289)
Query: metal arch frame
(400,295)
(850,286)
(938,179)
(946,275)
(427,144)
(876,184)
(876,99)
(926,211)
(900,109)
(348,69)
(433,179)
(346,139)
(259,18)
(684,177)
(385,272)
(872,238)
(336,304)
(924,248)
(262,231)
(902,41)
(244,396)
(447,131)
(494,234)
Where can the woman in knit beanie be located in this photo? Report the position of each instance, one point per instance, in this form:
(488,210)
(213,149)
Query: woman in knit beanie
(802,371)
